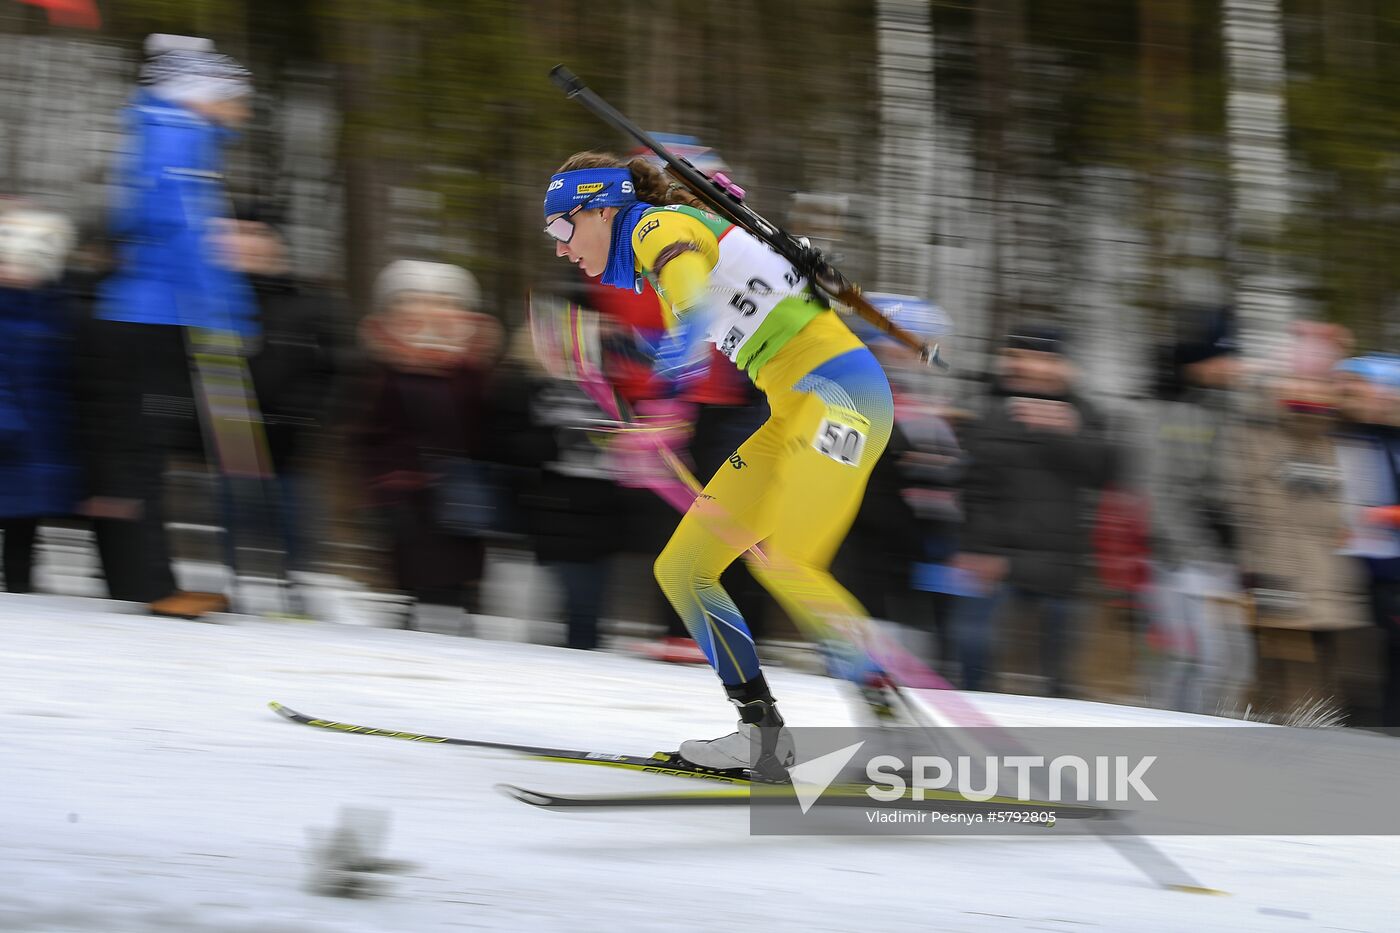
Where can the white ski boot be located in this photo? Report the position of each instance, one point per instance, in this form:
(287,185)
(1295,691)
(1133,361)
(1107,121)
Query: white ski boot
(736,751)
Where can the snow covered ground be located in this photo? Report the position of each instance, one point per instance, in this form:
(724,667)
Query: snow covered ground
(145,786)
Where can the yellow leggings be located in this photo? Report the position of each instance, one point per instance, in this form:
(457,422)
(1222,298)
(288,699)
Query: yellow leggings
(781,490)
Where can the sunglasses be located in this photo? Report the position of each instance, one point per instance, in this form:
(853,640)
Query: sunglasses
(562,227)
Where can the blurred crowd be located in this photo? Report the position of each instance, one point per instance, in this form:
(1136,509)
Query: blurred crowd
(1230,544)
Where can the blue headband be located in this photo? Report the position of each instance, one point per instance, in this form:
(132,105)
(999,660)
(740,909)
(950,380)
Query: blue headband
(599,187)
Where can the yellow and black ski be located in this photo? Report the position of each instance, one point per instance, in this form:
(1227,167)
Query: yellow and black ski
(739,789)
(1031,812)
(656,763)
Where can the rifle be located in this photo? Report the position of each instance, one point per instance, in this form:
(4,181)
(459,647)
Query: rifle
(727,199)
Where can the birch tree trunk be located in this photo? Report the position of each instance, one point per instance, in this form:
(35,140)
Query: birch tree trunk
(1256,124)
(999,33)
(905,76)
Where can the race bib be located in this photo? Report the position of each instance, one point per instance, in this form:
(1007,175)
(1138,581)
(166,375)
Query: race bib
(841,436)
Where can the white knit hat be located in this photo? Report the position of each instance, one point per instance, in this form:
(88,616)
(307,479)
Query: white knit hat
(36,242)
(433,278)
(186,69)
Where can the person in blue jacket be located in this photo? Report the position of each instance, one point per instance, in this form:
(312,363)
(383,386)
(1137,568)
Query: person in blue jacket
(1368,447)
(172,208)
(172,280)
(38,471)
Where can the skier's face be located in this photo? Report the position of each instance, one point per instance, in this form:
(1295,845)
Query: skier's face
(591,240)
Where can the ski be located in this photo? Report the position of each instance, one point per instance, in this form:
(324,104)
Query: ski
(656,763)
(1136,849)
(846,795)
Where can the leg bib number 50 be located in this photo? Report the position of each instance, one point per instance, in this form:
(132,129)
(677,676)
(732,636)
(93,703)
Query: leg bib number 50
(841,436)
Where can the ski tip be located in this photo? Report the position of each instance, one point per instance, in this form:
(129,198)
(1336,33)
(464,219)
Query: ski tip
(1198,889)
(524,796)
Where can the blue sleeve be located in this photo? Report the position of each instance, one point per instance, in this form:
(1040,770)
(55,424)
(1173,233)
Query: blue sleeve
(149,203)
(178,194)
(199,199)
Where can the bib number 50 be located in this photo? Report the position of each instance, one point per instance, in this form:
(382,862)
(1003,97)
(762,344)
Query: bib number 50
(841,442)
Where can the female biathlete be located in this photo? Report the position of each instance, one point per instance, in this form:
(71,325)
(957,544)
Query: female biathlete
(796,484)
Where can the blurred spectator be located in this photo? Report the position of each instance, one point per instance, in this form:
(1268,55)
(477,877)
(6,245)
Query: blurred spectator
(876,561)
(292,369)
(1123,571)
(1123,546)
(1302,589)
(38,469)
(169,281)
(1037,457)
(1198,628)
(894,558)
(553,435)
(1370,456)
(932,471)
(422,439)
